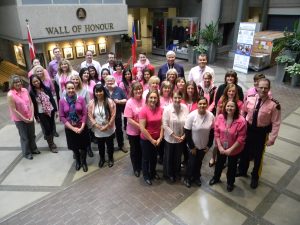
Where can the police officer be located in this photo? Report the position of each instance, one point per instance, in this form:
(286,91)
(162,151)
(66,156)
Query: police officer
(263,117)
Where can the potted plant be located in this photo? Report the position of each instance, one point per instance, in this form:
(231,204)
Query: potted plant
(211,37)
(191,43)
(294,71)
(282,62)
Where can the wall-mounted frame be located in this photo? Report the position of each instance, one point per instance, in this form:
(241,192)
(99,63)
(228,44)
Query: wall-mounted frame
(18,49)
(92,48)
(79,51)
(68,53)
(50,54)
(102,48)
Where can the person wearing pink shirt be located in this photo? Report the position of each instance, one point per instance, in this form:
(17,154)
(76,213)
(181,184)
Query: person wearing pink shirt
(150,120)
(145,78)
(142,64)
(230,134)
(43,74)
(191,96)
(165,94)
(118,73)
(87,82)
(180,85)
(153,85)
(36,62)
(131,112)
(263,118)
(253,90)
(22,113)
(171,76)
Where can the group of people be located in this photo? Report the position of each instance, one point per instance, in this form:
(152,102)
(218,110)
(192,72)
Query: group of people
(166,118)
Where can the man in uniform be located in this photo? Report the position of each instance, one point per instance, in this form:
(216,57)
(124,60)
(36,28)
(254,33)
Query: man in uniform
(263,118)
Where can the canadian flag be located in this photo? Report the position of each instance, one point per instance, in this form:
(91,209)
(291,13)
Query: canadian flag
(30,43)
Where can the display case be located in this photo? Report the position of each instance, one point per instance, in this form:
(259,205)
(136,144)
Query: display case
(173,34)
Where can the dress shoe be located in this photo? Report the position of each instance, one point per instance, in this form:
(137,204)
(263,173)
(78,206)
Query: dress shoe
(101,163)
(214,181)
(239,174)
(254,183)
(29,156)
(198,182)
(53,150)
(187,183)
(36,151)
(77,165)
(172,179)
(148,181)
(56,134)
(156,177)
(123,149)
(110,163)
(230,187)
(84,167)
(137,173)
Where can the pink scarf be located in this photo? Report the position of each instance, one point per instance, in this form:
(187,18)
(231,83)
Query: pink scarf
(44,99)
(140,67)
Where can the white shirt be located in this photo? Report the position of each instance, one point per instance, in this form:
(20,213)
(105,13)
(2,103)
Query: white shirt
(101,119)
(173,122)
(110,68)
(200,125)
(94,63)
(196,74)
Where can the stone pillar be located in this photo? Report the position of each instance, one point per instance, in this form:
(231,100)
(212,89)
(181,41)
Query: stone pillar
(240,17)
(210,11)
(264,15)
(144,20)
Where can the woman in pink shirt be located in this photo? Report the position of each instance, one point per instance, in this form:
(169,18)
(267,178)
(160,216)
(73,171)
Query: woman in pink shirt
(208,90)
(150,120)
(118,73)
(145,78)
(125,85)
(21,112)
(230,134)
(36,62)
(41,73)
(131,112)
(165,94)
(180,85)
(87,82)
(191,96)
(171,76)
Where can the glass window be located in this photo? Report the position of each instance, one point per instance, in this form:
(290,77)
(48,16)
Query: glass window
(65,1)
(36,2)
(90,1)
(112,1)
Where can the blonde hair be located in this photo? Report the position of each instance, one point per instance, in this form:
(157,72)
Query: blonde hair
(64,61)
(80,81)
(153,79)
(35,68)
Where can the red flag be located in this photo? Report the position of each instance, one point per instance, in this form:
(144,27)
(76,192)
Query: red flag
(30,43)
(133,45)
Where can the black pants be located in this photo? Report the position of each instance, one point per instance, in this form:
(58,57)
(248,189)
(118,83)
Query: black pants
(119,131)
(109,141)
(56,87)
(135,152)
(254,149)
(172,158)
(149,159)
(231,169)
(194,164)
(161,149)
(47,123)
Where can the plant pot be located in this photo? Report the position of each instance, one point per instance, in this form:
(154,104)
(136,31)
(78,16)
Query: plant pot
(295,80)
(280,72)
(212,49)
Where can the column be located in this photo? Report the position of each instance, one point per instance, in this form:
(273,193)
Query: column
(210,11)
(144,19)
(264,15)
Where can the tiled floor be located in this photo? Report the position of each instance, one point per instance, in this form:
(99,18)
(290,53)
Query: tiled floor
(47,190)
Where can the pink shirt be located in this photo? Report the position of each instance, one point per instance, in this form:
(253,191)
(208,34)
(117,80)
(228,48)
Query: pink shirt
(228,135)
(153,121)
(126,91)
(193,106)
(164,102)
(22,102)
(90,88)
(64,109)
(47,76)
(268,114)
(239,103)
(253,91)
(132,110)
(118,77)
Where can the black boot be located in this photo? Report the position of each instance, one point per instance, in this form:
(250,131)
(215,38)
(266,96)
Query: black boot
(89,151)
(77,158)
(83,160)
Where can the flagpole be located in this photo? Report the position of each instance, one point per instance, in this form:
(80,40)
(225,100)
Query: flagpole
(30,42)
